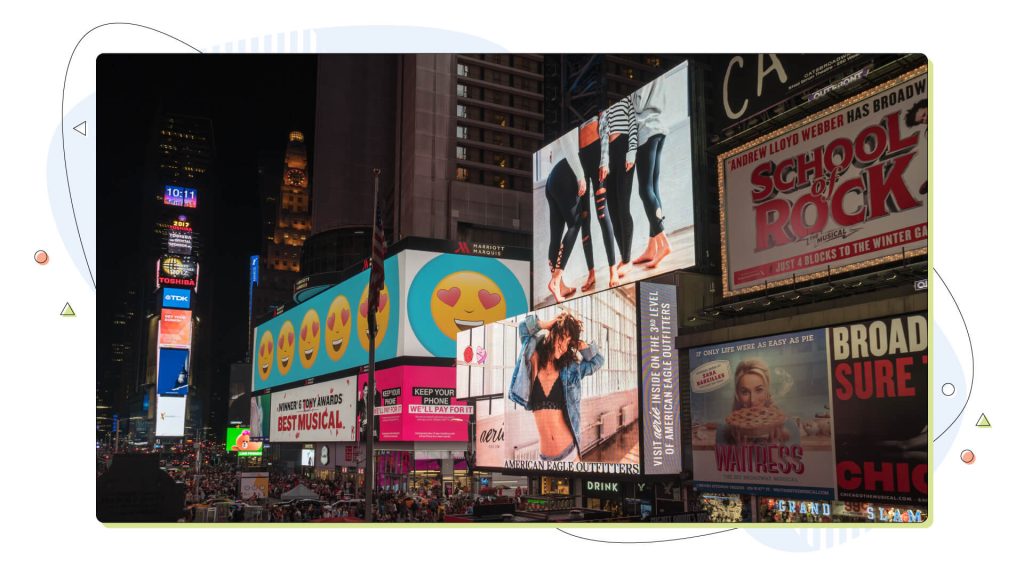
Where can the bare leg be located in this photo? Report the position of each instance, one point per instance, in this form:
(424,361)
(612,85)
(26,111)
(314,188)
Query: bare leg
(648,254)
(591,281)
(623,268)
(613,276)
(664,249)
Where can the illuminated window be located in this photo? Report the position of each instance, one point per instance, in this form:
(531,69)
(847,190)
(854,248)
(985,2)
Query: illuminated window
(460,111)
(501,160)
(461,90)
(500,120)
(629,73)
(500,182)
(462,70)
(461,174)
(654,61)
(460,152)
(461,132)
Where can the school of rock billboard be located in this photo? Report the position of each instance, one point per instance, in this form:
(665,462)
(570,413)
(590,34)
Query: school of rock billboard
(837,413)
(842,189)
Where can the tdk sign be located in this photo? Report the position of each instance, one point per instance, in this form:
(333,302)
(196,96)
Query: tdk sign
(177,298)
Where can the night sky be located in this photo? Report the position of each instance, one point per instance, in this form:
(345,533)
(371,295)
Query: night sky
(254,101)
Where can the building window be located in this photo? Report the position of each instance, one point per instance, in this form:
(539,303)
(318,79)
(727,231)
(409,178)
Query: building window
(501,120)
(460,111)
(500,182)
(460,152)
(462,70)
(461,131)
(500,160)
(461,174)
(654,61)
(461,90)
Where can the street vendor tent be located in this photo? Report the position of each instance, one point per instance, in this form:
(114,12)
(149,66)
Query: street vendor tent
(300,492)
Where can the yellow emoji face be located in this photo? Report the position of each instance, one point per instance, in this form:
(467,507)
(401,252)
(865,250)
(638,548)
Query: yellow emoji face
(339,327)
(265,355)
(309,338)
(464,300)
(383,311)
(285,348)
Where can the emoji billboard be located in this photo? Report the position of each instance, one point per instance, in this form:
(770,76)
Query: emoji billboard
(428,297)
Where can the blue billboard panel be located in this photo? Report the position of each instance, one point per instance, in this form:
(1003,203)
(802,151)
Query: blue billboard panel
(177,298)
(172,373)
(180,196)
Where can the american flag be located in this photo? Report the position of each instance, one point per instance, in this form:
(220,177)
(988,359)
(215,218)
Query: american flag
(377,252)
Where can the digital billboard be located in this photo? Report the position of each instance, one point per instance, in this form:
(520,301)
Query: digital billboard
(761,412)
(840,190)
(259,417)
(253,485)
(170,416)
(879,375)
(626,177)
(322,412)
(175,328)
(172,373)
(662,390)
(180,196)
(417,404)
(180,271)
(307,456)
(180,298)
(428,297)
(560,387)
(179,242)
(239,440)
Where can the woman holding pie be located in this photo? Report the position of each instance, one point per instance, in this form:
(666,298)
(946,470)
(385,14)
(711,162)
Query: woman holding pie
(755,419)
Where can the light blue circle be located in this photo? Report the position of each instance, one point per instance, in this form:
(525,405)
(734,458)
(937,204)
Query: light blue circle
(422,288)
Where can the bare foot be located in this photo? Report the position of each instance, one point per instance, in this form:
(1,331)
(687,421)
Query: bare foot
(567,291)
(650,253)
(554,287)
(591,281)
(613,277)
(664,249)
(623,268)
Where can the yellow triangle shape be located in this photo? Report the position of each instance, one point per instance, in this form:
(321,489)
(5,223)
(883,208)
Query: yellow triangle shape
(983,422)
(67,311)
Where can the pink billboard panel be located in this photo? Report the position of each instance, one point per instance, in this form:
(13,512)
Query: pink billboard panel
(417,404)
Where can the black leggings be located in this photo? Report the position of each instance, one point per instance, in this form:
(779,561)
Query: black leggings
(590,157)
(648,168)
(620,187)
(564,208)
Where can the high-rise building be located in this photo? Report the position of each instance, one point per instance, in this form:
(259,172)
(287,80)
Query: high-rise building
(290,228)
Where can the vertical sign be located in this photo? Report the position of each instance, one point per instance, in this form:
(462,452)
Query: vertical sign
(659,366)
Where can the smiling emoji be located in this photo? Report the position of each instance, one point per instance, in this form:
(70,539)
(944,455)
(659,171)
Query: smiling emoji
(309,338)
(339,327)
(383,314)
(464,300)
(265,357)
(285,347)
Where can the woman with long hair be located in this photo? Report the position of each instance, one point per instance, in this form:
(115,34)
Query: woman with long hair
(753,394)
(548,380)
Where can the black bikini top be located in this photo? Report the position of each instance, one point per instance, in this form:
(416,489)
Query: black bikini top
(541,401)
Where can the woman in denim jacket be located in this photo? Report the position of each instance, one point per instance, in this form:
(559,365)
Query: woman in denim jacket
(547,381)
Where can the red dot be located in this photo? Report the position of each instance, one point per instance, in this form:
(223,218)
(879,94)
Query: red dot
(967,456)
(41,257)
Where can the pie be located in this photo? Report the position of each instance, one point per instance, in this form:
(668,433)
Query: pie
(756,420)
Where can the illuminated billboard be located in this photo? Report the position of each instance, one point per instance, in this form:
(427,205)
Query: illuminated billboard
(417,404)
(180,196)
(626,177)
(840,190)
(259,417)
(180,271)
(180,298)
(322,412)
(427,298)
(239,440)
(172,373)
(170,416)
(175,328)
(560,387)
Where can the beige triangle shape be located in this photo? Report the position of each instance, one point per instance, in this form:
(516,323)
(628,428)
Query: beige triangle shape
(67,311)
(983,422)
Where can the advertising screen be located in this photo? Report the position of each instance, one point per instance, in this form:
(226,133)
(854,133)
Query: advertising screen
(172,373)
(879,375)
(259,416)
(239,440)
(180,196)
(417,403)
(180,271)
(179,242)
(175,328)
(322,412)
(618,189)
(662,390)
(170,416)
(840,190)
(253,485)
(180,298)
(307,456)
(762,413)
(428,297)
(578,410)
